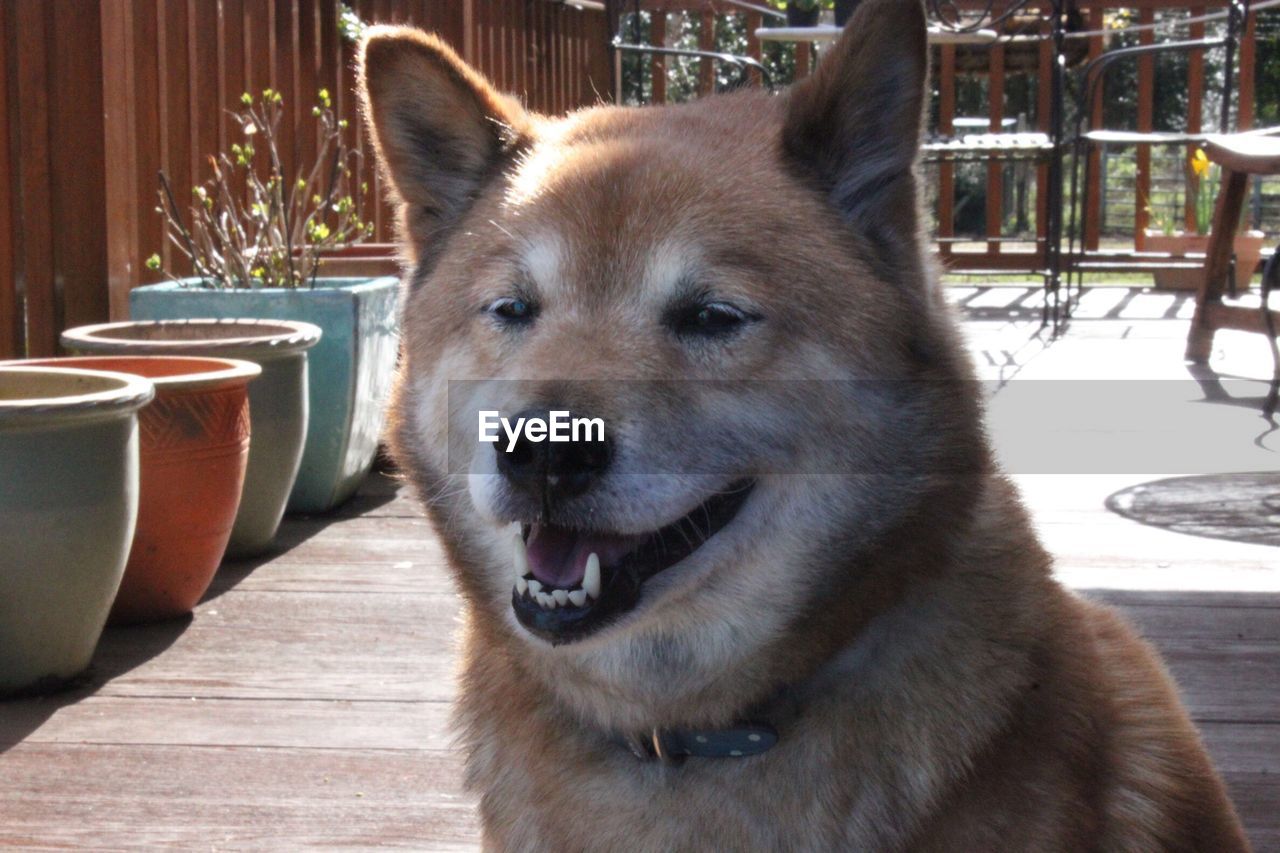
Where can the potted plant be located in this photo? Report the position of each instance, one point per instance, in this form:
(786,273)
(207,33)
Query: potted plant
(1203,180)
(256,254)
(193,449)
(68,506)
(277,399)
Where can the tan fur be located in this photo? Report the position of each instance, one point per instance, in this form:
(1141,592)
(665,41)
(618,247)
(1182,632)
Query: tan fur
(952,695)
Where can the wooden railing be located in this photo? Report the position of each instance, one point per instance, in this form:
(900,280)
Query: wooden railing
(97,97)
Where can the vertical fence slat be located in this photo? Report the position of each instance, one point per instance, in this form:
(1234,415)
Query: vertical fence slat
(11,332)
(35,260)
(1244,116)
(121,181)
(995,166)
(1093,192)
(77,168)
(946,128)
(1195,112)
(1146,114)
(175,113)
(658,36)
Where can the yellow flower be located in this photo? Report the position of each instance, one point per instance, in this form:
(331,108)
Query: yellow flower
(1200,163)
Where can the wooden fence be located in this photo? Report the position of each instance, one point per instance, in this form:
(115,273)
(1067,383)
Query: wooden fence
(99,96)
(996,64)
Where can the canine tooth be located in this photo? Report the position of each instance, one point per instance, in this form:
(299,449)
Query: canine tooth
(521,585)
(521,558)
(534,586)
(591,577)
(578,597)
(561,596)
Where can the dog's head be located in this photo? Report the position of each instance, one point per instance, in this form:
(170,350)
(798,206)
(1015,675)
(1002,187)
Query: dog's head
(737,289)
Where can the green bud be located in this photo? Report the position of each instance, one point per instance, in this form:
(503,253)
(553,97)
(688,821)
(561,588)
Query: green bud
(153,262)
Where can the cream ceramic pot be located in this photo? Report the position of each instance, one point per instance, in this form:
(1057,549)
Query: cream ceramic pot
(68,505)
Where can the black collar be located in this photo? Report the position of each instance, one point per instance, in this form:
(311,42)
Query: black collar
(752,736)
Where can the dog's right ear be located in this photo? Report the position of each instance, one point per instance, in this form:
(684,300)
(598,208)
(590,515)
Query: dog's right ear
(440,129)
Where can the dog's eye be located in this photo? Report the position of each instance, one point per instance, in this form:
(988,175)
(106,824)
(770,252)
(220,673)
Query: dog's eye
(512,309)
(709,319)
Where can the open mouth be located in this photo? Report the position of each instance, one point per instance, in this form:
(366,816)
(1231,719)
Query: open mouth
(569,583)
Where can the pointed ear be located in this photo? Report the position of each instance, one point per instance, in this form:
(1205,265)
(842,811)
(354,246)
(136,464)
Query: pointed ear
(854,126)
(440,130)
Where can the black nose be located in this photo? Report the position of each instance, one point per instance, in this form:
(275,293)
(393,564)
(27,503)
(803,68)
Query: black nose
(554,470)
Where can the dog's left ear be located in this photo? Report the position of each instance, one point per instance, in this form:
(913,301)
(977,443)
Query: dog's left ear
(440,129)
(854,126)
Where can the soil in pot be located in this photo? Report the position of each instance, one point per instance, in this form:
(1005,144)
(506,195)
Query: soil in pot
(194,448)
(68,505)
(278,404)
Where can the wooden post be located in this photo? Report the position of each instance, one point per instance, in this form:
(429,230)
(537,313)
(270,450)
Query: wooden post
(1195,106)
(946,128)
(706,67)
(1248,44)
(1146,98)
(755,21)
(658,74)
(995,168)
(1097,180)
(124,266)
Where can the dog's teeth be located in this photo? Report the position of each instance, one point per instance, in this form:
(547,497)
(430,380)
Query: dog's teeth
(521,585)
(591,577)
(578,597)
(520,558)
(548,602)
(561,596)
(534,586)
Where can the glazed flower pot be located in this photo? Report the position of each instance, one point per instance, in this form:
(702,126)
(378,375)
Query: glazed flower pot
(1248,250)
(194,448)
(68,505)
(350,369)
(277,400)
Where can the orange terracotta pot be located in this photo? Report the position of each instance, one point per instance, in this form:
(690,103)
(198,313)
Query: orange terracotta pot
(194,447)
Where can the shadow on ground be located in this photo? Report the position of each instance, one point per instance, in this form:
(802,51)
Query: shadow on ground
(120,650)
(377,491)
(1238,507)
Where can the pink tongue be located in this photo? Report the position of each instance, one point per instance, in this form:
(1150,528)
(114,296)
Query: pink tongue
(558,555)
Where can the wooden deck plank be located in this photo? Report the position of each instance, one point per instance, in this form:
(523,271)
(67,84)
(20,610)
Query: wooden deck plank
(225,797)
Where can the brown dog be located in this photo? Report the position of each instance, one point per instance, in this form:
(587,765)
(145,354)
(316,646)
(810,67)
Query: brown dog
(786,602)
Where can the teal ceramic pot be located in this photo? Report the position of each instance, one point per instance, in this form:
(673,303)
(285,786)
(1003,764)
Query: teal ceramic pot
(68,506)
(277,399)
(350,369)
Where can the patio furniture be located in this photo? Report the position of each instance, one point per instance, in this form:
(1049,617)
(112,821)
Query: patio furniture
(1084,138)
(975,20)
(1240,155)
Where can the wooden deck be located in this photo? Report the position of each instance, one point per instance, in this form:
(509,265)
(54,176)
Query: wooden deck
(307,701)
